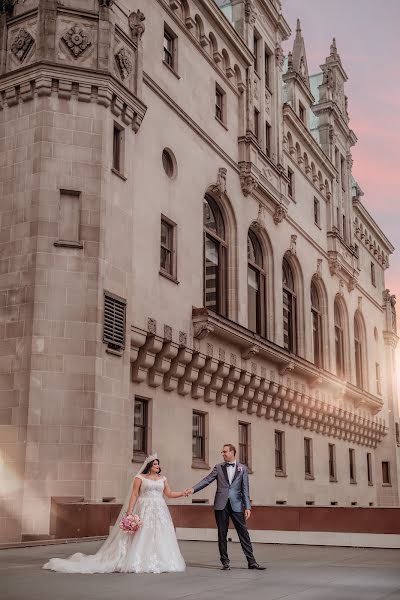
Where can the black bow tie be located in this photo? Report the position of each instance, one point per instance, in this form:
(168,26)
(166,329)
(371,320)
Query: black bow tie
(230,464)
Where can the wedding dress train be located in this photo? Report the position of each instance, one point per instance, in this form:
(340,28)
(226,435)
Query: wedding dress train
(152,549)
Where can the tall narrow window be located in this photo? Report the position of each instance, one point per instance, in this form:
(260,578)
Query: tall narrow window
(170,47)
(316,212)
(343,172)
(302,113)
(369,468)
(255,52)
(257,124)
(344,232)
(244,443)
(167,248)
(69,219)
(268,139)
(352,465)
(255,284)
(308,459)
(378,378)
(373,275)
(316,325)
(386,472)
(114,322)
(339,341)
(279,452)
(215,249)
(198,436)
(290,183)
(140,429)
(118,137)
(358,353)
(289,308)
(219,103)
(332,462)
(267,67)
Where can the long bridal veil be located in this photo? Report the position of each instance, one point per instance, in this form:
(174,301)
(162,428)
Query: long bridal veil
(109,554)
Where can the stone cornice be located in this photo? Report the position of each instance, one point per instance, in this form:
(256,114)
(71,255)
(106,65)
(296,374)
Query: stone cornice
(330,106)
(359,208)
(241,381)
(308,140)
(46,78)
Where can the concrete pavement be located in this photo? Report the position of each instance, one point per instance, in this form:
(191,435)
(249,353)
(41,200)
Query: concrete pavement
(293,573)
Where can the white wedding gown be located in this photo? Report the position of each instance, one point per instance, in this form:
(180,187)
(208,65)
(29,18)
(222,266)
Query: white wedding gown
(152,549)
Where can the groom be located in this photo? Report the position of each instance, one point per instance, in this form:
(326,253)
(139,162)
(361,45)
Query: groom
(231,499)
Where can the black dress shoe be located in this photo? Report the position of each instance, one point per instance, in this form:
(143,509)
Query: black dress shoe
(257,566)
(226,567)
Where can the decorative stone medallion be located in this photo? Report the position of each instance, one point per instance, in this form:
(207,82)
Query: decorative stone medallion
(21,44)
(77,40)
(124,63)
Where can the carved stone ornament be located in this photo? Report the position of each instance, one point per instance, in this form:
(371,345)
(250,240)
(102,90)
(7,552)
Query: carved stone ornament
(352,283)
(77,40)
(21,44)
(248,180)
(201,330)
(249,352)
(124,63)
(318,272)
(334,265)
(107,3)
(249,12)
(293,240)
(152,326)
(136,24)
(219,188)
(279,214)
(279,55)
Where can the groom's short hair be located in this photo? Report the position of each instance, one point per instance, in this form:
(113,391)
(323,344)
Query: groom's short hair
(231,447)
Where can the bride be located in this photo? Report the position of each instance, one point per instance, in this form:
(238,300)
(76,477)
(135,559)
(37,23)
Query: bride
(152,549)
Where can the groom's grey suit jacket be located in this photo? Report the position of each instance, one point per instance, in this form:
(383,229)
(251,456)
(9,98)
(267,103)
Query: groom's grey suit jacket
(237,492)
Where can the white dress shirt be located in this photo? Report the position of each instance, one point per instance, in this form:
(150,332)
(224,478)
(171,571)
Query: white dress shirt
(231,472)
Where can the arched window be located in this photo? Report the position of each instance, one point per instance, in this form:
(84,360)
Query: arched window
(215,248)
(358,353)
(255,284)
(316,316)
(289,308)
(339,341)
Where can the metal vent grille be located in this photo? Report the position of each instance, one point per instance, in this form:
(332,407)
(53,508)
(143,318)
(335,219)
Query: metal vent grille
(114,322)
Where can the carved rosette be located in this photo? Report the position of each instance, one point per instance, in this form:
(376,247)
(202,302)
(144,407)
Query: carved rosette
(124,63)
(77,40)
(21,44)
(248,180)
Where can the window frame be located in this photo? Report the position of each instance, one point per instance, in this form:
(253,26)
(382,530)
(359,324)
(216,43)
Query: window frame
(113,345)
(200,462)
(308,458)
(291,307)
(245,448)
(369,469)
(267,67)
(317,339)
(339,342)
(332,463)
(388,482)
(268,130)
(172,273)
(358,354)
(352,465)
(317,212)
(258,269)
(222,274)
(257,125)
(280,459)
(373,274)
(170,55)
(140,454)
(290,188)
(118,151)
(302,113)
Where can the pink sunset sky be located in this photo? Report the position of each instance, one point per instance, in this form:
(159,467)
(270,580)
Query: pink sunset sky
(368,41)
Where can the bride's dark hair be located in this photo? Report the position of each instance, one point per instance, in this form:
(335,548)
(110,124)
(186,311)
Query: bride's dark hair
(149,465)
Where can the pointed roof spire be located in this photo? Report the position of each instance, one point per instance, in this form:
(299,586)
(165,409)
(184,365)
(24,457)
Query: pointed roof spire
(333,48)
(299,55)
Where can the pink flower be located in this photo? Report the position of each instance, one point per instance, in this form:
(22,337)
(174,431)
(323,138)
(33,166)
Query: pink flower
(130,524)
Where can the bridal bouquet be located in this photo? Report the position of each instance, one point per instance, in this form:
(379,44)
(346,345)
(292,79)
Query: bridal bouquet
(130,524)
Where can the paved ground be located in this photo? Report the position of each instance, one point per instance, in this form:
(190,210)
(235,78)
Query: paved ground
(294,573)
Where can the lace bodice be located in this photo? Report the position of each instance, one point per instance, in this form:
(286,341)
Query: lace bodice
(151,488)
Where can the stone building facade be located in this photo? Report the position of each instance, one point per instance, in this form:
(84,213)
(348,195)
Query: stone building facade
(185,261)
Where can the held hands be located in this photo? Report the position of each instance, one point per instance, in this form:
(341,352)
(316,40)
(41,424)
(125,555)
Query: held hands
(188,492)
